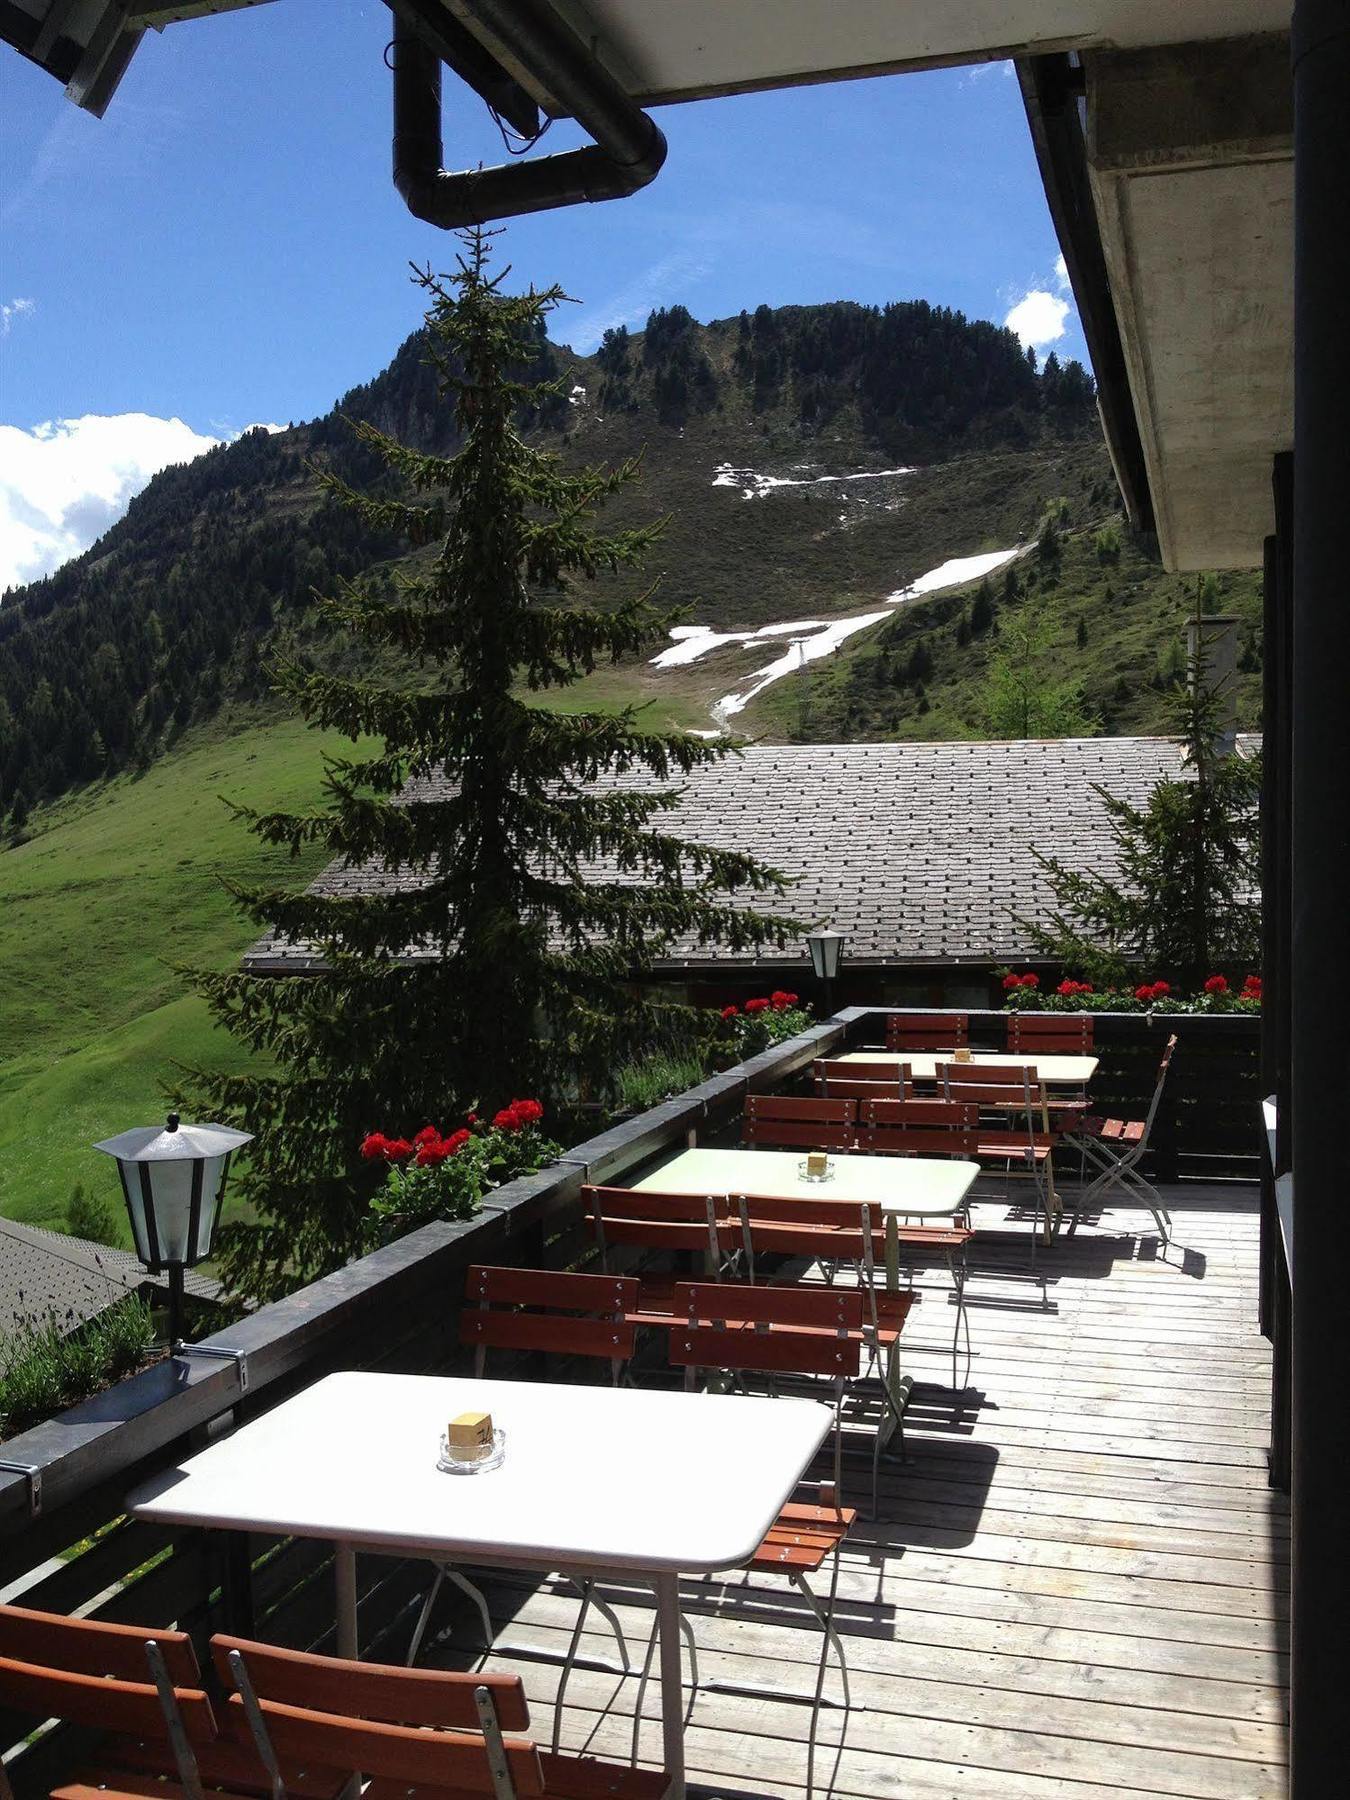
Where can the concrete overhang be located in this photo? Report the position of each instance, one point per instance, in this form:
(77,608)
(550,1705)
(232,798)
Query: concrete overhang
(666,50)
(1190,157)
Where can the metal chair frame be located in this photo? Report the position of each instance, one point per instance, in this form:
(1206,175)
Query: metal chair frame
(1123,1170)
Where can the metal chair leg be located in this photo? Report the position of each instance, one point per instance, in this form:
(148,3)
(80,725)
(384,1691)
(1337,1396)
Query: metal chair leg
(424,1618)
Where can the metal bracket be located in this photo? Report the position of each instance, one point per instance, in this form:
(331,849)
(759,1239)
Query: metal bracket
(34,1475)
(238,1357)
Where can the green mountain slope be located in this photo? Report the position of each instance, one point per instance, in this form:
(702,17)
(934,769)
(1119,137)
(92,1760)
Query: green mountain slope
(122,883)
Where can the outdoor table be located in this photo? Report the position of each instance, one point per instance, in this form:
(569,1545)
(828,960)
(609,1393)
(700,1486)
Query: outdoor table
(901,1186)
(596,1481)
(1054,1071)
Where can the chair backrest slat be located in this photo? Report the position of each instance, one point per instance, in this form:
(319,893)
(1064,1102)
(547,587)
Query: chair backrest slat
(803,1209)
(129,1708)
(811,1122)
(396,1696)
(839,1079)
(927,1030)
(782,1352)
(551,1287)
(552,1332)
(644,1203)
(822,1308)
(94,1647)
(800,1108)
(948,1115)
(843,1088)
(991,1085)
(1068,1034)
(402,1753)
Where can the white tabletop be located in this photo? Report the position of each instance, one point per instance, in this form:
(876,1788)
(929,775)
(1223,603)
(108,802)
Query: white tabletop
(1055,1071)
(909,1185)
(594,1477)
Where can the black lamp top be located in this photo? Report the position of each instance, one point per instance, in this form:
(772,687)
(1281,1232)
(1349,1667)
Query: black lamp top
(171,1123)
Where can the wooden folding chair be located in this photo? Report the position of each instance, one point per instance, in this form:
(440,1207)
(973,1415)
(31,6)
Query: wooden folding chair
(838,1080)
(442,1733)
(1117,1147)
(786,1121)
(141,1691)
(804,1331)
(927,1030)
(639,1219)
(560,1314)
(1020,1132)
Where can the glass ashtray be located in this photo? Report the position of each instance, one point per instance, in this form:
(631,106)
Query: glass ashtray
(826,1175)
(450,1464)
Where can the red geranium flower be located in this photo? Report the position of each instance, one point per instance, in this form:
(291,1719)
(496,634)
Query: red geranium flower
(730,1012)
(374,1146)
(1031,981)
(1251,988)
(779,1000)
(791,999)
(1011,981)
(1217,984)
(1144,993)
(397,1149)
(756,1006)
(457,1141)
(1161,989)
(472,1118)
(428,1135)
(430,1152)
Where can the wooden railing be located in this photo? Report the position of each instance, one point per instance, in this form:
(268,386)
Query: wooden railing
(64,1543)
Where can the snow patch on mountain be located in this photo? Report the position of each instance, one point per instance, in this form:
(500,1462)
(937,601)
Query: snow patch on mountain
(953,573)
(754,486)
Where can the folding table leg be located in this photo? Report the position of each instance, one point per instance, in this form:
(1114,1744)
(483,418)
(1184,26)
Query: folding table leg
(346,1636)
(667,1589)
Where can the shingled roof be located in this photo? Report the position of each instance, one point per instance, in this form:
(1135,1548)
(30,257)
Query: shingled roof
(45,1274)
(917,851)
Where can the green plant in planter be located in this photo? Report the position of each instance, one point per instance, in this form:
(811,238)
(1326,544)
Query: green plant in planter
(440,1176)
(1217,995)
(756,1024)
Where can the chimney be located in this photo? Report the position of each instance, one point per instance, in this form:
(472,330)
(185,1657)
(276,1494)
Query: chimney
(1211,657)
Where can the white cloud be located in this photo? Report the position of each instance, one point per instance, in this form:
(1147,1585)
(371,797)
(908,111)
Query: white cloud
(14,309)
(1061,274)
(63,483)
(1038,317)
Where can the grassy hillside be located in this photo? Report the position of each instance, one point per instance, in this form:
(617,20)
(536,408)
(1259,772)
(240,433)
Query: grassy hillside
(120,883)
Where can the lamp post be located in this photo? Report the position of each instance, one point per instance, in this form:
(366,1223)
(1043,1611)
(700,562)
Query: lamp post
(827,948)
(173,1180)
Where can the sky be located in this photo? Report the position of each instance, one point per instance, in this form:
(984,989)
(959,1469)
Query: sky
(225,247)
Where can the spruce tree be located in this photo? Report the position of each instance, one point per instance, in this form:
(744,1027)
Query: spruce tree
(1186,896)
(534,884)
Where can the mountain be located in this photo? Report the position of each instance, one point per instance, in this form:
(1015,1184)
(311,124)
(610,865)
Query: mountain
(817,465)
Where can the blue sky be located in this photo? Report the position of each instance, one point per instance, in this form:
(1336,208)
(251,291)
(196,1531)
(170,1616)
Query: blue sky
(226,246)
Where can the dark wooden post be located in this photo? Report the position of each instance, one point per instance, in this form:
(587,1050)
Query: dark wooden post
(1321,882)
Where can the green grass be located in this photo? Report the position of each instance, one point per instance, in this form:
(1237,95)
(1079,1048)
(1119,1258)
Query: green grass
(118,884)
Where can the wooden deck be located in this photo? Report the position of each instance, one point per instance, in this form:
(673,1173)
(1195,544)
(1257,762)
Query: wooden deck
(1076,1586)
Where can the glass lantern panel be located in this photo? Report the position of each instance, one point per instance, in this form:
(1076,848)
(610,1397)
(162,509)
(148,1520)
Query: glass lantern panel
(171,1187)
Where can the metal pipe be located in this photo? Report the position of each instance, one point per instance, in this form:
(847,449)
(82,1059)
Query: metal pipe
(1321,868)
(628,151)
